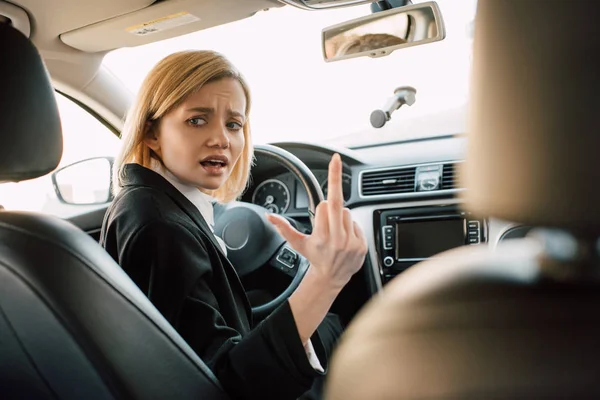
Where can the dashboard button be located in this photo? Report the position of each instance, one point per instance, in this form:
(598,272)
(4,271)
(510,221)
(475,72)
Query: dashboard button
(388,261)
(473,225)
(388,232)
(287,257)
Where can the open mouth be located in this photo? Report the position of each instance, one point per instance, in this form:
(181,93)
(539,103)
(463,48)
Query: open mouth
(213,163)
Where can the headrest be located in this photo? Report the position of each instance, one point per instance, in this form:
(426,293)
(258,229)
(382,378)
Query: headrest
(534,133)
(30,132)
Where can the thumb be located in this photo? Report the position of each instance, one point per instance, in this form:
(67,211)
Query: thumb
(288,232)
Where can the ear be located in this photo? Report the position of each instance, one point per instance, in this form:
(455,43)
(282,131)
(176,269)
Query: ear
(151,138)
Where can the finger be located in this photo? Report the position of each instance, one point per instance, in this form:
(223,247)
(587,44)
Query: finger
(294,238)
(321,228)
(348,222)
(335,197)
(357,230)
(360,236)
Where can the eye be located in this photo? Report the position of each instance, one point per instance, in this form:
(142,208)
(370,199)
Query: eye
(234,126)
(196,121)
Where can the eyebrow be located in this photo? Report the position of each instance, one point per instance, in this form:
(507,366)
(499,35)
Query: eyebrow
(210,110)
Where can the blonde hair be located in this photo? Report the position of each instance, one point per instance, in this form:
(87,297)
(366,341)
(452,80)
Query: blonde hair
(167,85)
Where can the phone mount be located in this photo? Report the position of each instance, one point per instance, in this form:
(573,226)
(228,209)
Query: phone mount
(402,95)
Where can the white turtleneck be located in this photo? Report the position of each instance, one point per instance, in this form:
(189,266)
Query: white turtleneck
(204,204)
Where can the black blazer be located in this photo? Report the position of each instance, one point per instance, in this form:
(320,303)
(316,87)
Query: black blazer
(162,241)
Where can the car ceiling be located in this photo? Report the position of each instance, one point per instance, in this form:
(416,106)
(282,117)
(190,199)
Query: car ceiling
(74,35)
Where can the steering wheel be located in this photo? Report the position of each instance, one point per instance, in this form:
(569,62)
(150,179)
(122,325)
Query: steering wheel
(252,241)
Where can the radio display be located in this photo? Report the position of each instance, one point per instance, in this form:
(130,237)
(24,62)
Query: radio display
(423,239)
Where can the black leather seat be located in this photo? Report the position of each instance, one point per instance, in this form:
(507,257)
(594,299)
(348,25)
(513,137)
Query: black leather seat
(522,322)
(72,324)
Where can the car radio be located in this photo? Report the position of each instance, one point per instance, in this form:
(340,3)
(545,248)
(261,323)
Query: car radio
(407,236)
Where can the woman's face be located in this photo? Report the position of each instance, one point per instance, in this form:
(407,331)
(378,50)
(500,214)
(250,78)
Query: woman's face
(202,139)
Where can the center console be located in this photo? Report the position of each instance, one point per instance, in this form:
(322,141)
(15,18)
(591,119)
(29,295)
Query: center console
(406,236)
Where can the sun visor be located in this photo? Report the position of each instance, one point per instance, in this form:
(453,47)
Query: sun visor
(162,20)
(534,131)
(17,17)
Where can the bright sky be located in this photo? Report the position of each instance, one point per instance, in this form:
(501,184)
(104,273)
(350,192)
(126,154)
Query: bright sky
(296,95)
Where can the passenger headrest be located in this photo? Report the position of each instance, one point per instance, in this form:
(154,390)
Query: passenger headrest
(30,132)
(534,133)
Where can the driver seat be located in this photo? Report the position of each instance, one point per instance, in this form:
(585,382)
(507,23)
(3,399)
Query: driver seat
(72,324)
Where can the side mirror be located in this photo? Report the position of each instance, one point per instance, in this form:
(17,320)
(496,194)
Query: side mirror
(85,182)
(383,32)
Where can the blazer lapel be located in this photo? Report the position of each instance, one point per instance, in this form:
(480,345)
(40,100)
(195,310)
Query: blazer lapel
(138,175)
(193,212)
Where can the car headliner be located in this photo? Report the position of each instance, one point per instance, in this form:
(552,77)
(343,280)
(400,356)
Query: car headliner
(73,36)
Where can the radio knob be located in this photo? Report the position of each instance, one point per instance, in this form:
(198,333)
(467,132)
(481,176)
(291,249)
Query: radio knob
(388,261)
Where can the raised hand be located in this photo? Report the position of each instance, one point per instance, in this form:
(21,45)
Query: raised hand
(337,247)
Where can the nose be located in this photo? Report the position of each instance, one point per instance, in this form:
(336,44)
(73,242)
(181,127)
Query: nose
(219,137)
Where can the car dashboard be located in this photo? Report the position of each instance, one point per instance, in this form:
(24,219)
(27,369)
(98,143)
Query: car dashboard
(404,195)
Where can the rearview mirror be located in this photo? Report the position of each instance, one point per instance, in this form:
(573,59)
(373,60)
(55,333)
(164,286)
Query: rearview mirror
(85,182)
(380,34)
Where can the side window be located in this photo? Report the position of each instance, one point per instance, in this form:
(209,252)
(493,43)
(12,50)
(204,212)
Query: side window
(84,137)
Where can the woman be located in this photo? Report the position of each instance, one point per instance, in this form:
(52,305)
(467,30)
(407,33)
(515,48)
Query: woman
(186,141)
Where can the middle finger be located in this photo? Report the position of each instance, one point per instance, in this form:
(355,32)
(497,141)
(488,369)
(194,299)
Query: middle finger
(335,197)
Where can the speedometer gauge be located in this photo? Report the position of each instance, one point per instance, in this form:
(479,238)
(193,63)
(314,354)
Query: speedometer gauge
(346,187)
(273,195)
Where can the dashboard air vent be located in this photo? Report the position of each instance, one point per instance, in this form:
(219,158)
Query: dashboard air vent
(391,181)
(448,177)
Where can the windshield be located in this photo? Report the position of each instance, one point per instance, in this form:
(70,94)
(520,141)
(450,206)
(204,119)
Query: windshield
(297,96)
